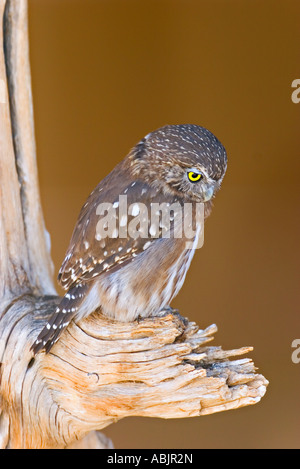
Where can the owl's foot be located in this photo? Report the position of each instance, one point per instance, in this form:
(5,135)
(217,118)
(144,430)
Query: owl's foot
(168,310)
(163,312)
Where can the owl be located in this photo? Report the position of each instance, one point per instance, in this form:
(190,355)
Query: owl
(121,262)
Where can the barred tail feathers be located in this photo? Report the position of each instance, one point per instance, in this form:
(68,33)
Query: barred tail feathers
(61,318)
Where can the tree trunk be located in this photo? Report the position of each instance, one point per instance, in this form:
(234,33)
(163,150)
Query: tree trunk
(100,370)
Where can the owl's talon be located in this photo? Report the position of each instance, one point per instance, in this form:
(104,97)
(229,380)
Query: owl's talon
(169,310)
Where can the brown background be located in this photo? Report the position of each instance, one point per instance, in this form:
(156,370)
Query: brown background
(104,74)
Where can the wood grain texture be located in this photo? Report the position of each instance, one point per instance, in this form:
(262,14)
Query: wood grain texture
(27,243)
(100,370)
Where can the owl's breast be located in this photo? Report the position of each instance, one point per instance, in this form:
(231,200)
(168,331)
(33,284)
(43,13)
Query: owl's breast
(149,283)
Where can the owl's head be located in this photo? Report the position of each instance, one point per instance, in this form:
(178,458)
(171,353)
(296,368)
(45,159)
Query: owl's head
(187,160)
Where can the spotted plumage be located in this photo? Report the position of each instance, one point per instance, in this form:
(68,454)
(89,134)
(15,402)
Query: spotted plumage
(141,265)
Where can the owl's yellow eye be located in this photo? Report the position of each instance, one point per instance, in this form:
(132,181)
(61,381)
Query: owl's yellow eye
(194,177)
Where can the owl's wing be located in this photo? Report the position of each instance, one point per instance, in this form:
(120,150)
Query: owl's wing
(90,253)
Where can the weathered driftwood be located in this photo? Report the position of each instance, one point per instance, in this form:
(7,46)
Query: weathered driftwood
(100,370)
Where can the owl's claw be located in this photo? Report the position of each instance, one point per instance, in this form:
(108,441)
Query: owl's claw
(169,310)
(139,318)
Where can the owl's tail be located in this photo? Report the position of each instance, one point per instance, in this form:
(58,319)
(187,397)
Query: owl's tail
(61,318)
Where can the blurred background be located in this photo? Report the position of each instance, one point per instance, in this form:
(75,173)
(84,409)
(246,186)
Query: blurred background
(107,72)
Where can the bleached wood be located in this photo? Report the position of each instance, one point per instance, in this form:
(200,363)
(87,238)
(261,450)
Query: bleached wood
(18,179)
(100,371)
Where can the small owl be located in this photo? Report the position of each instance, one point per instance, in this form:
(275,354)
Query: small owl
(122,262)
